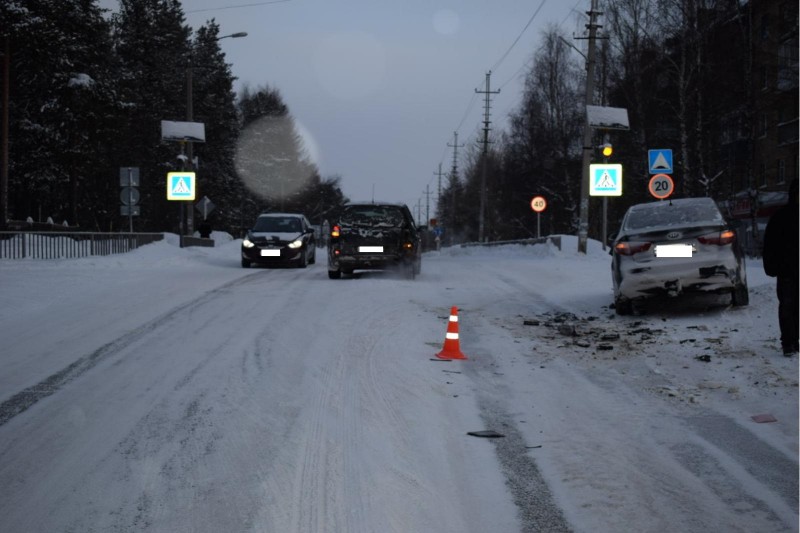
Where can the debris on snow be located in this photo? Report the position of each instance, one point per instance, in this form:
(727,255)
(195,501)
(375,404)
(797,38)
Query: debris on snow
(762,419)
(486,434)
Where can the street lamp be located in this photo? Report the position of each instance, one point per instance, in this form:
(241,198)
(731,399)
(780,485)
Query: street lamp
(189,118)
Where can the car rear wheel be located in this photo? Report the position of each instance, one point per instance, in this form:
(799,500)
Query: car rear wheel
(740,296)
(623,306)
(334,274)
(410,270)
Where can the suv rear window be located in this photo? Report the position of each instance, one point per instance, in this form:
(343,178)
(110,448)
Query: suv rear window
(372,216)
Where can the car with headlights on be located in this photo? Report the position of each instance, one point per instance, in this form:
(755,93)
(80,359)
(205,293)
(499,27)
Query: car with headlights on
(672,247)
(280,239)
(374,236)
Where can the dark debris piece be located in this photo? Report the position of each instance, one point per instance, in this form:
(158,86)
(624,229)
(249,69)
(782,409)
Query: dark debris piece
(568,330)
(486,434)
(704,358)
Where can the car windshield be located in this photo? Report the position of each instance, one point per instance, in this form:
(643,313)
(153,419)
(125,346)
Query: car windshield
(676,213)
(278,225)
(373,215)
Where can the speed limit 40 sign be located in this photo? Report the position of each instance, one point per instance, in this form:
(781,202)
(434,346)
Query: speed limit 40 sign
(538,204)
(661,186)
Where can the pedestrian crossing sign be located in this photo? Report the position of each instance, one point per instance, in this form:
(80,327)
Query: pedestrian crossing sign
(180,186)
(605,180)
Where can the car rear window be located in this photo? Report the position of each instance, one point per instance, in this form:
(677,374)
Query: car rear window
(372,216)
(278,224)
(676,213)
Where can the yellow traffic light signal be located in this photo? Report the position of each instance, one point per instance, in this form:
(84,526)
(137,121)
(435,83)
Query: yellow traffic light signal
(607,149)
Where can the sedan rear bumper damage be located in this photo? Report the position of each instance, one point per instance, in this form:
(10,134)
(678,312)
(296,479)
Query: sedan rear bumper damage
(675,279)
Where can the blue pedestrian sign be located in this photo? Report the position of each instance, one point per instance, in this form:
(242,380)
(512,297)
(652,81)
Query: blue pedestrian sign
(660,161)
(605,179)
(180,186)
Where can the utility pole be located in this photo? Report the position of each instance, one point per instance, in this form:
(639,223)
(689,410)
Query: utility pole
(455,146)
(487,107)
(190,148)
(454,180)
(427,205)
(439,190)
(583,227)
(4,215)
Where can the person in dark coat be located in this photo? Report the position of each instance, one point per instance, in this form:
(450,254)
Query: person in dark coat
(781,261)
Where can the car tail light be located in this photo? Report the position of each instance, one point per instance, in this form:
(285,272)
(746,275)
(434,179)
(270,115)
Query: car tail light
(335,231)
(720,238)
(336,251)
(632,247)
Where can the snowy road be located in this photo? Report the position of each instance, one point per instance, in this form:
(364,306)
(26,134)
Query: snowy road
(170,390)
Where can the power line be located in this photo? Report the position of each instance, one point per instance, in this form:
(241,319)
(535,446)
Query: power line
(499,61)
(237,7)
(530,21)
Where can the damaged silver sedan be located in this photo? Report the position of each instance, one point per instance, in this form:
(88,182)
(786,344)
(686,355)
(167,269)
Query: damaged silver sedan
(675,247)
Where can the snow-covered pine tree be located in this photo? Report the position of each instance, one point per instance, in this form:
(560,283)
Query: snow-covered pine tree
(153,45)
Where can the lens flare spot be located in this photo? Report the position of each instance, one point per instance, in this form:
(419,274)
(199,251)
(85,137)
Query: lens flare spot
(271,158)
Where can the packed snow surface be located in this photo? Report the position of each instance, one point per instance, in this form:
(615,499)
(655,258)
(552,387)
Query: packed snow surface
(168,389)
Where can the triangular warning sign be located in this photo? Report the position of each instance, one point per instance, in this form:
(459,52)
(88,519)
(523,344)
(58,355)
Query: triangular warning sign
(606,181)
(180,187)
(661,162)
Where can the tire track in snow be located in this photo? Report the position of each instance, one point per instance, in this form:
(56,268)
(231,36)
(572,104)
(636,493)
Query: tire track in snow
(532,496)
(332,484)
(25,399)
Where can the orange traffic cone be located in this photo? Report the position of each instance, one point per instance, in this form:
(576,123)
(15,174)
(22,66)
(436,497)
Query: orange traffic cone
(451,348)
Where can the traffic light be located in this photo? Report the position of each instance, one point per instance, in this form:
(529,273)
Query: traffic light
(607,149)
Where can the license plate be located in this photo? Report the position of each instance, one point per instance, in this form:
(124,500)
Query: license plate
(371,249)
(674,250)
(270,253)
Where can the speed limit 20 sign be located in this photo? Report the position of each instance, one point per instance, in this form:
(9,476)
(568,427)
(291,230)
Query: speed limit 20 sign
(538,204)
(661,186)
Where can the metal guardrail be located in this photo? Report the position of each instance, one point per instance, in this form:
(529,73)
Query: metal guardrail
(555,239)
(69,244)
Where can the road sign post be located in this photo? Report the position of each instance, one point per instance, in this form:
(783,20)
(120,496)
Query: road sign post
(129,180)
(181,187)
(538,204)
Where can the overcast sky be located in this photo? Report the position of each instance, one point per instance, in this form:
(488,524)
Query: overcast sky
(379,86)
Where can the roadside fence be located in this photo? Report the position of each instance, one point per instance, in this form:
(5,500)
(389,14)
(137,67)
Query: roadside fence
(69,244)
(554,239)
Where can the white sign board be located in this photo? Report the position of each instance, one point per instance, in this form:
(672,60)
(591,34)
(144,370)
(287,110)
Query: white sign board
(607,118)
(183,131)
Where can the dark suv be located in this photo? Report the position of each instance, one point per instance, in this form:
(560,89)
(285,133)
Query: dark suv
(369,236)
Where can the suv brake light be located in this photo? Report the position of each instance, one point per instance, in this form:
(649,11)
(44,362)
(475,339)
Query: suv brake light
(719,238)
(632,247)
